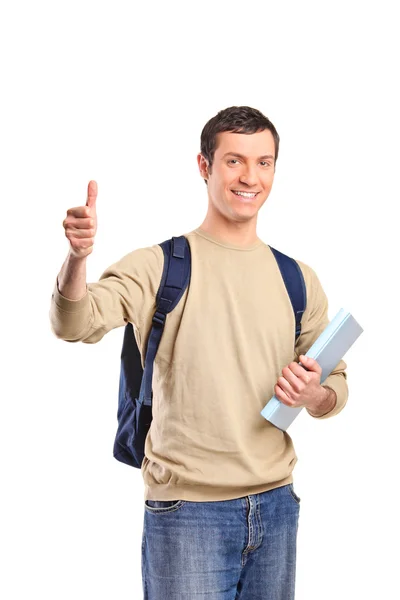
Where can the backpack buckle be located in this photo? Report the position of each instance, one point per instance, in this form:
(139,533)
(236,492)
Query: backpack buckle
(159,318)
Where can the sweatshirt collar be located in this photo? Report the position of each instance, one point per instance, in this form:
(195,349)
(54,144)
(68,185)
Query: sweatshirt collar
(216,240)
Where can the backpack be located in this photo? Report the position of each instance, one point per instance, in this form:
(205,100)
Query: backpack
(134,413)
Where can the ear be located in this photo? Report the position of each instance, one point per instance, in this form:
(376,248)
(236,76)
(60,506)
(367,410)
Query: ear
(203,165)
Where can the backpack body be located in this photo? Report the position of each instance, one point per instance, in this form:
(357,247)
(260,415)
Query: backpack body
(135,384)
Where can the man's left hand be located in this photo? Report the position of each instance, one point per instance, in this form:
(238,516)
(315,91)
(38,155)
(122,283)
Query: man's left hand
(300,387)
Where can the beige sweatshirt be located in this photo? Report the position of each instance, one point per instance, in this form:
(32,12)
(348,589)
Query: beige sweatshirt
(222,351)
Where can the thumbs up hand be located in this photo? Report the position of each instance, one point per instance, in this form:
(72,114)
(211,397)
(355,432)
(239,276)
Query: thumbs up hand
(80,224)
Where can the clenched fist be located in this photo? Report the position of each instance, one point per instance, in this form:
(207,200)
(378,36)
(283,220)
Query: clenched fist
(80,224)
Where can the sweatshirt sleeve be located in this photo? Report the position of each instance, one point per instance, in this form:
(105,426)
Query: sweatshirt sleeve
(125,292)
(315,319)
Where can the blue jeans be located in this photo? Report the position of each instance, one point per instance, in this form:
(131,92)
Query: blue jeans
(223,550)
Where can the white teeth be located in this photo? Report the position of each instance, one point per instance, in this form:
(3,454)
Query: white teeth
(246,194)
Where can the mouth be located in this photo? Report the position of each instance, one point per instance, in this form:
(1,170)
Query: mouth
(245,196)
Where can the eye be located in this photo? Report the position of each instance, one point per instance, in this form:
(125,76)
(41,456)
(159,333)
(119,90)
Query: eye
(266,163)
(232,160)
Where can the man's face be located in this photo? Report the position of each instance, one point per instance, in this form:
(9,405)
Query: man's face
(242,163)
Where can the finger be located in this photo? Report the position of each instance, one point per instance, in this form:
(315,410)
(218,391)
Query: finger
(290,382)
(299,372)
(92,194)
(79,212)
(285,385)
(71,232)
(79,223)
(282,396)
(310,364)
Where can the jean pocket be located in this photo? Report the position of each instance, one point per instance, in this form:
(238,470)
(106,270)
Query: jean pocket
(163,506)
(293,493)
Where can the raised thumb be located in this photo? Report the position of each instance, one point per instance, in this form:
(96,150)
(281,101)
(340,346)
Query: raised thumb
(91,194)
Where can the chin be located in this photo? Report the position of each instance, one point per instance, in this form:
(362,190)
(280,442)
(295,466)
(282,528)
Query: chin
(241,217)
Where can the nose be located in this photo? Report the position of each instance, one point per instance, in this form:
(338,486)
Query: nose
(249,176)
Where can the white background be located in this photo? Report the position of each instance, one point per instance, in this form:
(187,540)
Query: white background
(119,92)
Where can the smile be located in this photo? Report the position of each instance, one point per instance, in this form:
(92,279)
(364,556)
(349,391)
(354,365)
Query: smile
(245,194)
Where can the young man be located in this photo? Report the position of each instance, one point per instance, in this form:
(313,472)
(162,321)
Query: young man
(220,513)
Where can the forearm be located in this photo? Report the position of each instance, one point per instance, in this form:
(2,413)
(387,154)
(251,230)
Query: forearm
(327,404)
(72,278)
(70,310)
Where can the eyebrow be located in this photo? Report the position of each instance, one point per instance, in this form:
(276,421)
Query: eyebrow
(241,155)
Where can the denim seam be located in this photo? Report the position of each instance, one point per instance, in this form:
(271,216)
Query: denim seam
(168,509)
(292,493)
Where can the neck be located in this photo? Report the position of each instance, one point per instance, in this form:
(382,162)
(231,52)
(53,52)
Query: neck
(237,234)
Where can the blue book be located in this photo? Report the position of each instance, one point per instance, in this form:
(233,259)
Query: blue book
(328,350)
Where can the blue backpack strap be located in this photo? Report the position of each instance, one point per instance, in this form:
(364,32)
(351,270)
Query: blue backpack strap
(135,384)
(295,285)
(174,281)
